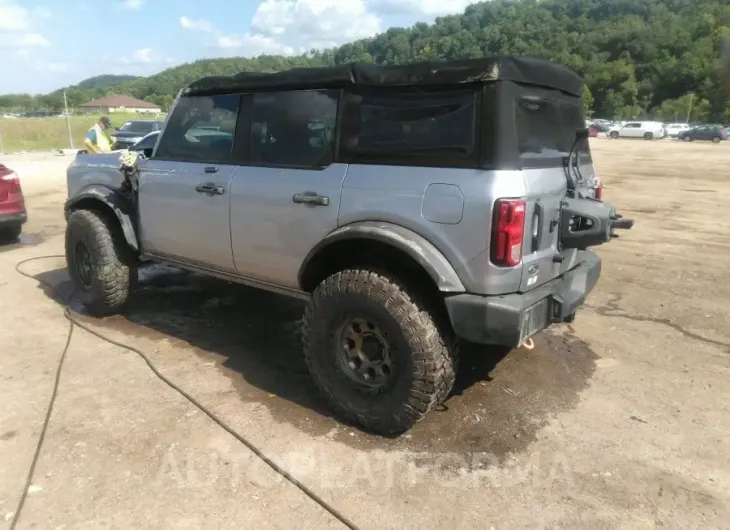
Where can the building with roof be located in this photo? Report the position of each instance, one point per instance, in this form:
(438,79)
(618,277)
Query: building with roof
(111,104)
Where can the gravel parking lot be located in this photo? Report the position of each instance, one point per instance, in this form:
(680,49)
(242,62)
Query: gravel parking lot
(619,420)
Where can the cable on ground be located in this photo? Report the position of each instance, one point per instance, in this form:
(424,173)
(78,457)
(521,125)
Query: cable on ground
(73,321)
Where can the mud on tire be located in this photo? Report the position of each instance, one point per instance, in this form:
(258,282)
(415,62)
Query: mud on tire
(99,262)
(422,357)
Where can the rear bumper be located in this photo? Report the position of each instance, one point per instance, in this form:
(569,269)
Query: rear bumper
(511,319)
(13,219)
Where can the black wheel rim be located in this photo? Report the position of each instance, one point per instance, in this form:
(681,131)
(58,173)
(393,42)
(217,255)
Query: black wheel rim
(364,354)
(82,262)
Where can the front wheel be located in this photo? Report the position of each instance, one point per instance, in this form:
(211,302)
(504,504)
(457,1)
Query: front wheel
(99,262)
(376,355)
(687,138)
(614,135)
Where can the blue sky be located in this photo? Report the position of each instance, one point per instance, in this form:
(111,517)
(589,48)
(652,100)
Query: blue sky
(47,44)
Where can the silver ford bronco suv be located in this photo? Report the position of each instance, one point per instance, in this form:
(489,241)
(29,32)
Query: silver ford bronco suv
(413,207)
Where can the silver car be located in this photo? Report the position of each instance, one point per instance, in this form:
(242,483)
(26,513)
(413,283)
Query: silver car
(413,207)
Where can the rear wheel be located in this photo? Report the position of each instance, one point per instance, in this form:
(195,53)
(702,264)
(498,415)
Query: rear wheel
(614,134)
(378,357)
(716,140)
(687,138)
(10,234)
(648,136)
(99,262)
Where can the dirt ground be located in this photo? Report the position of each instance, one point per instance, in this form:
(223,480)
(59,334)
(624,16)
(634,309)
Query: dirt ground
(620,420)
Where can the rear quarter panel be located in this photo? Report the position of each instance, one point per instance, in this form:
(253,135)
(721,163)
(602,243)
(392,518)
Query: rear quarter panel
(425,201)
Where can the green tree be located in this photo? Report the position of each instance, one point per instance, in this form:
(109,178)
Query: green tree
(587,101)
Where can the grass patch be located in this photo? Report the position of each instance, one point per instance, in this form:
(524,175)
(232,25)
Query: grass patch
(47,134)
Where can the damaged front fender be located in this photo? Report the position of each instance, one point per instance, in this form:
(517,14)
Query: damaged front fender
(116,201)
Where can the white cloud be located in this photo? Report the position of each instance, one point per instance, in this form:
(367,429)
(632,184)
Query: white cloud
(16,27)
(13,17)
(315,23)
(289,26)
(248,44)
(23,41)
(142,56)
(196,25)
(132,5)
(254,45)
(427,8)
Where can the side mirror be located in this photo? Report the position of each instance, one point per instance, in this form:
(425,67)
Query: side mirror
(147,152)
(581,134)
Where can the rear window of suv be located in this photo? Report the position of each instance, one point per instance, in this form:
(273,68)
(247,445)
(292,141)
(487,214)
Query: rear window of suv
(546,130)
(411,128)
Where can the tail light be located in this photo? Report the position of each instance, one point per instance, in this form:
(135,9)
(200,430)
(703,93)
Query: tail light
(9,182)
(507,232)
(599,192)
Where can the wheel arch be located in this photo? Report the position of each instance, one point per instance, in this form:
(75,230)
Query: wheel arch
(378,243)
(111,202)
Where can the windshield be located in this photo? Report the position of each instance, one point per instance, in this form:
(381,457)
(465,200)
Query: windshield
(138,126)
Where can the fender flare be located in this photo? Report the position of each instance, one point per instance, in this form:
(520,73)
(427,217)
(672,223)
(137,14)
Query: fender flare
(430,258)
(120,205)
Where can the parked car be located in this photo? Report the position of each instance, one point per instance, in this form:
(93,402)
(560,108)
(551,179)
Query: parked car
(380,206)
(713,133)
(673,129)
(648,130)
(132,132)
(12,205)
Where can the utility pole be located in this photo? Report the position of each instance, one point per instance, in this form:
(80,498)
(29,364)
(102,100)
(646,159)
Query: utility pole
(689,107)
(68,121)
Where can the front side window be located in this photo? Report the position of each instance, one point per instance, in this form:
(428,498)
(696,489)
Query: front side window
(293,128)
(200,129)
(426,128)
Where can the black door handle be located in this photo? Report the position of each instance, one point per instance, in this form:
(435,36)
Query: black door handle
(310,197)
(211,169)
(210,189)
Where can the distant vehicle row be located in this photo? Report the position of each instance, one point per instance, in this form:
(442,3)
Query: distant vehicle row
(654,130)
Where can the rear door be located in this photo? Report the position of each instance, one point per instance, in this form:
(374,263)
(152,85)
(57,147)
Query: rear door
(546,126)
(184,191)
(285,197)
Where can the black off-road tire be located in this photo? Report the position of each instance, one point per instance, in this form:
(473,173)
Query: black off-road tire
(10,234)
(113,270)
(424,355)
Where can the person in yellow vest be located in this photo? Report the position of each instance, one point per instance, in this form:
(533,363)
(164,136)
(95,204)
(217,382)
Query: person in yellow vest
(97,140)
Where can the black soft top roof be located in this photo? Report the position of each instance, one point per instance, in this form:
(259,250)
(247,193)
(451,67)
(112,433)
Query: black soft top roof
(484,70)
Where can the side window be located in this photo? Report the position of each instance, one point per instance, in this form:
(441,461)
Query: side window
(294,128)
(200,129)
(425,129)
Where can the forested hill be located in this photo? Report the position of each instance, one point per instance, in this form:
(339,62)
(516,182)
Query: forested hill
(105,81)
(638,57)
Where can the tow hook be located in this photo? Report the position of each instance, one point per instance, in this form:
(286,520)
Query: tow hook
(529,344)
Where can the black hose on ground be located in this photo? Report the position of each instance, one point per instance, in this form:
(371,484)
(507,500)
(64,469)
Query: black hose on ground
(73,321)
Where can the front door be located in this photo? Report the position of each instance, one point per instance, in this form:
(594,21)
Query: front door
(184,190)
(286,199)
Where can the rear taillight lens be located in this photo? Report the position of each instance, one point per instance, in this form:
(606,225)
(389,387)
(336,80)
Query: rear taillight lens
(9,182)
(507,232)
